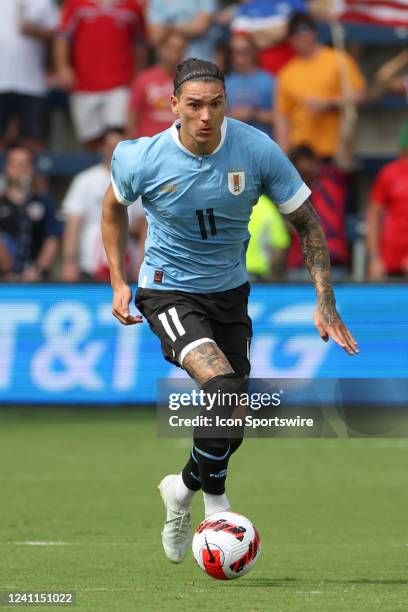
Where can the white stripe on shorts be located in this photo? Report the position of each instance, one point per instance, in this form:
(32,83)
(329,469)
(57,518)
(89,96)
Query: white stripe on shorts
(176,321)
(166,325)
(190,347)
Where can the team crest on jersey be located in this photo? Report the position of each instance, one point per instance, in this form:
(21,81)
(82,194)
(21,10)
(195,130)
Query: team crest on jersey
(236,182)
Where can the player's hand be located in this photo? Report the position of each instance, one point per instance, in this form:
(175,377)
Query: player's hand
(335,329)
(122,297)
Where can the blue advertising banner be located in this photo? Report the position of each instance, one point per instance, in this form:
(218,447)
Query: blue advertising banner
(60,343)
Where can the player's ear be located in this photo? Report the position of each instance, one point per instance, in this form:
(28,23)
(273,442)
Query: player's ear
(174,105)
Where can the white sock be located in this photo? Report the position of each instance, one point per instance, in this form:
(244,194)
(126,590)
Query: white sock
(215,503)
(184,495)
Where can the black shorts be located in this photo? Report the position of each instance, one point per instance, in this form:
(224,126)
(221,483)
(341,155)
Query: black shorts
(179,319)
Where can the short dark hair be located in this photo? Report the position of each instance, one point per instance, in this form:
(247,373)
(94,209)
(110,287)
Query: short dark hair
(197,70)
(299,22)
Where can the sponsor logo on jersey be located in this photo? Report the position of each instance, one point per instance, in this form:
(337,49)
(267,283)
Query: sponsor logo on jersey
(169,188)
(236,182)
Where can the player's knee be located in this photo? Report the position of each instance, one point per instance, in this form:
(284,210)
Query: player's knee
(224,392)
(231,381)
(223,411)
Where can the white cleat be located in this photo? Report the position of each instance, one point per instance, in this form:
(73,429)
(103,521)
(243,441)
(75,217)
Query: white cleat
(176,534)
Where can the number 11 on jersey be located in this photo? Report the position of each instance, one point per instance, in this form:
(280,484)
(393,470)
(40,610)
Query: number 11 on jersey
(211,222)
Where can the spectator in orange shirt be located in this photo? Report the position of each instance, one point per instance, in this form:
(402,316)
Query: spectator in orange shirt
(312,90)
(150,111)
(387,218)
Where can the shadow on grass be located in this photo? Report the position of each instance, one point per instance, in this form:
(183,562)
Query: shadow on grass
(287,582)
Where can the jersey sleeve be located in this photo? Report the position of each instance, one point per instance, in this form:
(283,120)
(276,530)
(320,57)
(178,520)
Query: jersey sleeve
(127,170)
(281,181)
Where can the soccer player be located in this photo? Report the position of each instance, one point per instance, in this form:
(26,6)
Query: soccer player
(198,181)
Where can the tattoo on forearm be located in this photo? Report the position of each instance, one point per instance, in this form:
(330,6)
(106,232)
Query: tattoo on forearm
(317,259)
(206,361)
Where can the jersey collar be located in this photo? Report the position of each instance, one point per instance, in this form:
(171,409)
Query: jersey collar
(175,135)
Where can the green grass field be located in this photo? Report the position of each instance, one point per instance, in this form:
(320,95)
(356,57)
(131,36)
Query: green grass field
(332,515)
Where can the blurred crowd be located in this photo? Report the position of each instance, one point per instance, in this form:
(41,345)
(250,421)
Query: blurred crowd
(113,62)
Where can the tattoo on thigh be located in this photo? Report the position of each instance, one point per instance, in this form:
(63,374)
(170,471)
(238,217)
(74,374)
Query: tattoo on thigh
(206,361)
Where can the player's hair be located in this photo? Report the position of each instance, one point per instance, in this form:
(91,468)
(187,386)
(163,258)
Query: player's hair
(197,70)
(299,22)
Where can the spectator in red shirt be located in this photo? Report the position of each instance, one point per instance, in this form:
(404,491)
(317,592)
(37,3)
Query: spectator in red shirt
(150,111)
(329,195)
(387,218)
(95,59)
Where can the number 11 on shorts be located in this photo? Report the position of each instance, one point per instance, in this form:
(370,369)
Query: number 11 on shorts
(176,321)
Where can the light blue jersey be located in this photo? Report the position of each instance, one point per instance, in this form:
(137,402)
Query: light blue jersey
(198,207)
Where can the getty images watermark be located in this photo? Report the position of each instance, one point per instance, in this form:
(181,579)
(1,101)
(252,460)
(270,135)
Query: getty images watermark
(222,409)
(285,408)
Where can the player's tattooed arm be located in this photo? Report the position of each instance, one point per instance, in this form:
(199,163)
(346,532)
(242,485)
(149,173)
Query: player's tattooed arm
(307,224)
(206,361)
(327,320)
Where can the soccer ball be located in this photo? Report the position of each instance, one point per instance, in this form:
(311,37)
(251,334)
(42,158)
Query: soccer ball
(226,545)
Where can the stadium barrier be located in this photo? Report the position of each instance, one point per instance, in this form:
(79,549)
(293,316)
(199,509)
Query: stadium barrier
(61,344)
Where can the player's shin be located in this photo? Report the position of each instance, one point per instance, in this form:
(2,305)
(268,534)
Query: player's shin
(190,475)
(213,447)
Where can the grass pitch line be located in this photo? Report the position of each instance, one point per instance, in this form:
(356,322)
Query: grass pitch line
(40,543)
(123,589)
(60,543)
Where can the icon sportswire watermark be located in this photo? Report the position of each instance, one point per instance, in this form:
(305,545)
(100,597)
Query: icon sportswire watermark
(286,407)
